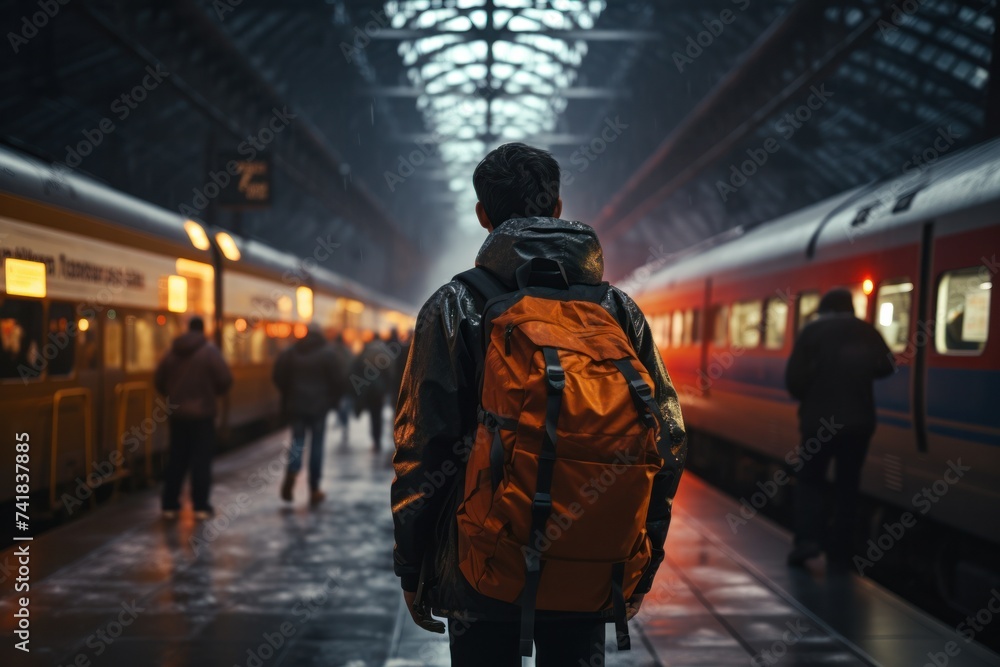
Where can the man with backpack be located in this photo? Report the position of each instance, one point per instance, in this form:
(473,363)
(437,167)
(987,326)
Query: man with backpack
(539,439)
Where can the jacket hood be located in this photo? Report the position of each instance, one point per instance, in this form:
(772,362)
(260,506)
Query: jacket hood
(189,342)
(572,244)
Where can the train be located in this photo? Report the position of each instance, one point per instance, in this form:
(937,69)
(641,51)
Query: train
(919,253)
(95,286)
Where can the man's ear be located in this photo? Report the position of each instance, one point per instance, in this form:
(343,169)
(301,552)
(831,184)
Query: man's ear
(557,209)
(484,219)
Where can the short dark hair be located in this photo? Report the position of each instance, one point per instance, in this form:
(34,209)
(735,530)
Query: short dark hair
(837,300)
(196,324)
(516,181)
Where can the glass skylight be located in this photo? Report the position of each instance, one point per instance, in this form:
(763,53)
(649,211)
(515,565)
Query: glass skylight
(478,89)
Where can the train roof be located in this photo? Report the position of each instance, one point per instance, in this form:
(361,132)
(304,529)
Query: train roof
(965,180)
(328,281)
(56,185)
(278,264)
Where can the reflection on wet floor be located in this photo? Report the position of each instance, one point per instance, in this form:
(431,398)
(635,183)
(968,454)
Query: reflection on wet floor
(269,584)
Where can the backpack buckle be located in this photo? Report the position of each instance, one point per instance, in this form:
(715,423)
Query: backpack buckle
(642,389)
(556,377)
(542,502)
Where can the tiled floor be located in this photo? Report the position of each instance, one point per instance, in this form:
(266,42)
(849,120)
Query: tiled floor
(267,585)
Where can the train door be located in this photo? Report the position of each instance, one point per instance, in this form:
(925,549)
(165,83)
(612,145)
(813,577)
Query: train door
(74,382)
(962,379)
(140,430)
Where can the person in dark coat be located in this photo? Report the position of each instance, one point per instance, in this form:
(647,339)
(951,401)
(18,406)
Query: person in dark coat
(437,413)
(833,365)
(345,405)
(398,364)
(310,377)
(372,376)
(192,376)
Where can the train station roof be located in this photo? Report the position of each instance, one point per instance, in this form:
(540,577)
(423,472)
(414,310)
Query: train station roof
(676,121)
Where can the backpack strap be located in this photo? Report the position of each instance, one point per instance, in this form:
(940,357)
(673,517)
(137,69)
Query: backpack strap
(541,504)
(485,286)
(649,411)
(483,283)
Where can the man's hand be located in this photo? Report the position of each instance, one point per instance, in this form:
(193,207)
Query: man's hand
(422,617)
(632,606)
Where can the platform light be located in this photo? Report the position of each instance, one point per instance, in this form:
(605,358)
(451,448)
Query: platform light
(885,314)
(867,286)
(195,232)
(240,325)
(301,330)
(83,324)
(228,246)
(354,306)
(986,285)
(304,302)
(24,277)
(177,294)
(161,320)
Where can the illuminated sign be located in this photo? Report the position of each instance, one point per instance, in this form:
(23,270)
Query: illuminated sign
(241,183)
(24,278)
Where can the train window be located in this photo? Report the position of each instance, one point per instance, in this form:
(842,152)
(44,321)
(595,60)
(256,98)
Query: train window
(165,332)
(89,348)
(963,311)
(892,312)
(661,332)
(654,329)
(258,345)
(689,326)
(775,323)
(744,324)
(140,344)
(230,342)
(808,305)
(112,342)
(720,326)
(61,316)
(677,329)
(21,338)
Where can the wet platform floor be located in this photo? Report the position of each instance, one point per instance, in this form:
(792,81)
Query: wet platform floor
(265,584)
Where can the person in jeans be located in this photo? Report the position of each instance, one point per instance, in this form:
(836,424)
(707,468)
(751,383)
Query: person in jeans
(310,376)
(192,376)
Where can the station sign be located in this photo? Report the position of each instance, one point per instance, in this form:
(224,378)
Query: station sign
(243,183)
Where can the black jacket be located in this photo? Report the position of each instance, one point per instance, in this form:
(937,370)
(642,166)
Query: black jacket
(835,359)
(193,374)
(311,377)
(436,413)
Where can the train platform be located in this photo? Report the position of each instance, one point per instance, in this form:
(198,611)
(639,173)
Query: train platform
(265,584)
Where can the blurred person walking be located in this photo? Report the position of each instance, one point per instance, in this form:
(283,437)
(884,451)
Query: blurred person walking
(192,375)
(833,365)
(310,376)
(346,404)
(373,377)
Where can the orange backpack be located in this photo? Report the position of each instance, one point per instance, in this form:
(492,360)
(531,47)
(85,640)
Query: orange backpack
(558,481)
